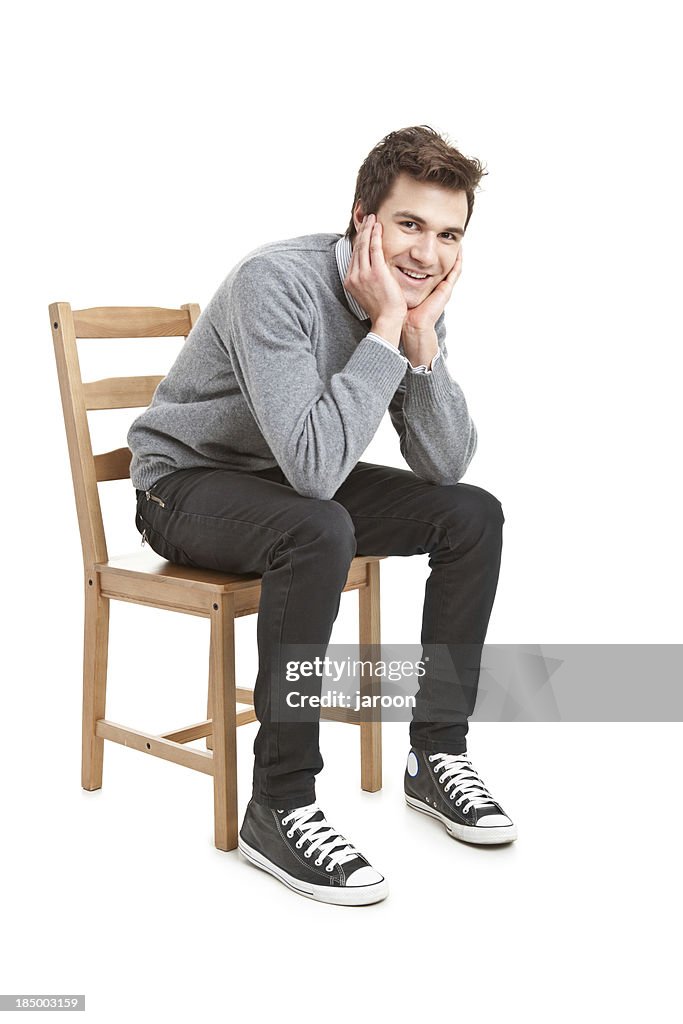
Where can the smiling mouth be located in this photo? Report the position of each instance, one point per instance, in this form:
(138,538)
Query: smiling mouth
(414,276)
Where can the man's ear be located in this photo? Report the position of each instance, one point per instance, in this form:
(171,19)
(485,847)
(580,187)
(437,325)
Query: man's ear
(358,215)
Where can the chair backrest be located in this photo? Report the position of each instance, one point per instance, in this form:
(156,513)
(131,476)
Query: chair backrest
(87,469)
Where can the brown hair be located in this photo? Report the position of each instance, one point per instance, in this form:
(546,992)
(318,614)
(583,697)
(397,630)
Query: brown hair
(424,155)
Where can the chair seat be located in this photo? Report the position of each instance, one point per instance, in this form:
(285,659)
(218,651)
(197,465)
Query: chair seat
(144,577)
(146,562)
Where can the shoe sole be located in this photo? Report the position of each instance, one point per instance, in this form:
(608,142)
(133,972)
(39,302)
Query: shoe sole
(351,896)
(468,833)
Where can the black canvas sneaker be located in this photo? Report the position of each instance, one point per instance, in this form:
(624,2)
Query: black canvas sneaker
(301,849)
(447,787)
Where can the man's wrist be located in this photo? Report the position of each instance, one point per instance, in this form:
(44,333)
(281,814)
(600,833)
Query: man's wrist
(388,329)
(420,346)
(419,335)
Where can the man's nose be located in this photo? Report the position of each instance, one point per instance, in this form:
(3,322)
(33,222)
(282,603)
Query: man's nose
(423,250)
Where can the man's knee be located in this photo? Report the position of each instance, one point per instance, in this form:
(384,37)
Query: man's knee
(330,525)
(472,513)
(487,505)
(469,502)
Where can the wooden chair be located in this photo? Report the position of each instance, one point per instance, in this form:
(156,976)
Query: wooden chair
(145,578)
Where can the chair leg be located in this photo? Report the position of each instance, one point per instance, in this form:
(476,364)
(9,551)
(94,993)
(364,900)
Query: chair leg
(209,713)
(371,730)
(222,697)
(95,652)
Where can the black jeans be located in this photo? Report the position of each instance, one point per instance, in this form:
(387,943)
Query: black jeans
(256,522)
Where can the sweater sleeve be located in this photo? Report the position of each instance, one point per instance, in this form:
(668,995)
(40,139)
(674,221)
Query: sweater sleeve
(436,434)
(316,431)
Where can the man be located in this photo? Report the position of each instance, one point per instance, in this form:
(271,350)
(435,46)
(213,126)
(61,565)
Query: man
(247,461)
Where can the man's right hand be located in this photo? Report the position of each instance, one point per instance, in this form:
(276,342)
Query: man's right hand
(372,284)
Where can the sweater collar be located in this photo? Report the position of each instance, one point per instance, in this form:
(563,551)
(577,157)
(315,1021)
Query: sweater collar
(343,250)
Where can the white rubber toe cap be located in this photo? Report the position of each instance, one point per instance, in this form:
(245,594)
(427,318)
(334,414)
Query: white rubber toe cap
(493,821)
(365,876)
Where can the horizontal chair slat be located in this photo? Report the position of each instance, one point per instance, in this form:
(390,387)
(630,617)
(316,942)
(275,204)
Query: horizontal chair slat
(120,392)
(198,760)
(190,732)
(113,465)
(131,322)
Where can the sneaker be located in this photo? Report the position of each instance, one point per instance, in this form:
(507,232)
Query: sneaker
(447,787)
(283,843)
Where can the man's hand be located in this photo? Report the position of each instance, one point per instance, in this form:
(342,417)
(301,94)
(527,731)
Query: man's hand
(424,316)
(372,284)
(418,336)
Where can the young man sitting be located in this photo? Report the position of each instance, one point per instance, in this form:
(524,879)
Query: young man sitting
(247,460)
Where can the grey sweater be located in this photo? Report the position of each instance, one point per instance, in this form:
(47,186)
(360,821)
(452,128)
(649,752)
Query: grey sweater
(278,371)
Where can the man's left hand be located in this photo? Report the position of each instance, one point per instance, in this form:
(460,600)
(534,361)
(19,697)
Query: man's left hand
(418,336)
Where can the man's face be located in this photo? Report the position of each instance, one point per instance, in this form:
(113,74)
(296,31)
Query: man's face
(427,241)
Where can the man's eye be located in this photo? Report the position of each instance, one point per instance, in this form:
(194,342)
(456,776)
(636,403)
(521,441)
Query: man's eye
(404,223)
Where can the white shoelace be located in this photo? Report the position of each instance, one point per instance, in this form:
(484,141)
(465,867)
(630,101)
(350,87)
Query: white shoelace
(320,836)
(459,774)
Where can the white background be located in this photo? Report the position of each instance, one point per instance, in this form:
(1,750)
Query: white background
(148,147)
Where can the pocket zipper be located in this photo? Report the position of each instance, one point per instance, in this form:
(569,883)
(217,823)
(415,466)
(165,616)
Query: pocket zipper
(148,495)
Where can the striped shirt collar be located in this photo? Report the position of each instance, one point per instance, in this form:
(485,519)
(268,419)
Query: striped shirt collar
(343,250)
